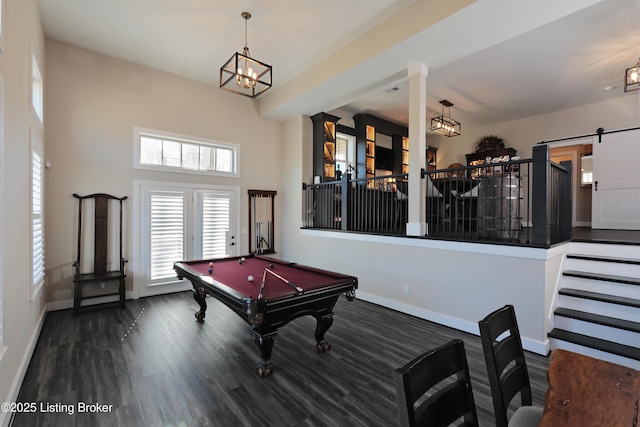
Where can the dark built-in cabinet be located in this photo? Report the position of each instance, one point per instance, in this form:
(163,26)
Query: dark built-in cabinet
(324,146)
(381,145)
(371,155)
(476,159)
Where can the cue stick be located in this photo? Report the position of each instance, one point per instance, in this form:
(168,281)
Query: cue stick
(297,288)
(264,276)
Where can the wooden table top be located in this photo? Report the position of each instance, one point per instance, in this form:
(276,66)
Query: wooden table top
(584,392)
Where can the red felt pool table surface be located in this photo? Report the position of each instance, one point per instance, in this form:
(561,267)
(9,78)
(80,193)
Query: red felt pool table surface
(229,272)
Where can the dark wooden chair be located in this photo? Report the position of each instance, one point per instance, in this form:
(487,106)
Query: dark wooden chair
(98,247)
(507,368)
(439,382)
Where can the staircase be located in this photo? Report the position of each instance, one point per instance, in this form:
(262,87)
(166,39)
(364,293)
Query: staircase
(598,303)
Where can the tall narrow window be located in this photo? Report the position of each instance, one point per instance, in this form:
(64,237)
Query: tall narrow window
(215,216)
(166,233)
(36,88)
(37,220)
(345,147)
(261,214)
(1,26)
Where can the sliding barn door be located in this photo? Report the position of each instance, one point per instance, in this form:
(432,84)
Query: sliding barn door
(616,181)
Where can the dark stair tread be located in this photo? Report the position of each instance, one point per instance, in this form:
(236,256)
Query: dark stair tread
(599,319)
(603,277)
(596,343)
(605,259)
(613,299)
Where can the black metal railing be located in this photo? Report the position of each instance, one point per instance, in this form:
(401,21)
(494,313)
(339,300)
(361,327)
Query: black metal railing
(368,205)
(483,202)
(521,202)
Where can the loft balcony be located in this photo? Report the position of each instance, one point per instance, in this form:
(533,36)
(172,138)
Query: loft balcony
(525,202)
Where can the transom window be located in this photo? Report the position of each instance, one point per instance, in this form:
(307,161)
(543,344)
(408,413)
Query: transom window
(36,88)
(177,153)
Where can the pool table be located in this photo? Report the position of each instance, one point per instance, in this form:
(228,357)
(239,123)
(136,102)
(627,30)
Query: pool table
(268,293)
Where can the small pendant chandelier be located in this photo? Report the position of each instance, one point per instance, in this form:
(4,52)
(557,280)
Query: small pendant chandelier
(632,78)
(445,125)
(244,75)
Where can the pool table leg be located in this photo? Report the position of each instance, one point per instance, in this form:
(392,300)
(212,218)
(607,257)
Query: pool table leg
(265,343)
(199,295)
(323,324)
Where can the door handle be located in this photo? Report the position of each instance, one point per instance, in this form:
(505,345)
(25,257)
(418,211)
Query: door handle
(596,184)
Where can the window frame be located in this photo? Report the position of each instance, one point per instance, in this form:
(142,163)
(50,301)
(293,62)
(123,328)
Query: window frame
(350,150)
(139,132)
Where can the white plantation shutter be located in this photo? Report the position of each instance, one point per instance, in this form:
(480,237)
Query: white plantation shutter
(37,229)
(216,210)
(167,233)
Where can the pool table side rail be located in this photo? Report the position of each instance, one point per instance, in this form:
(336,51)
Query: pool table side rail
(239,302)
(183,270)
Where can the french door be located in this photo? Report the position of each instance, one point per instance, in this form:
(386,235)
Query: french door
(179,223)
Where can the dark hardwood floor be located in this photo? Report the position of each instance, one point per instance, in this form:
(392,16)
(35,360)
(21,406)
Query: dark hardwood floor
(158,366)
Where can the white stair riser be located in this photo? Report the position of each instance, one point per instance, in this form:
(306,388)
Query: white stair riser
(601,249)
(601,267)
(601,286)
(598,307)
(619,360)
(597,331)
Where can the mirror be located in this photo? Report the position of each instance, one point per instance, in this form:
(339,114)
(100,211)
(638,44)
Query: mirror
(586,170)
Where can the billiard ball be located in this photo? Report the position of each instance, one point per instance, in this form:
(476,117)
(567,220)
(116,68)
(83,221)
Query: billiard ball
(210,269)
(250,278)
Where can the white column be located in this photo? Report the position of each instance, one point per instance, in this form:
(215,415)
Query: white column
(417,148)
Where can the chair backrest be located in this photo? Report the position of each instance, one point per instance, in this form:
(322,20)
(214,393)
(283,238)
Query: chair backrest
(402,190)
(431,189)
(502,348)
(442,374)
(100,230)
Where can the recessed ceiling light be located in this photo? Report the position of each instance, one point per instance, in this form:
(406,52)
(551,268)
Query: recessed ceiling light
(607,88)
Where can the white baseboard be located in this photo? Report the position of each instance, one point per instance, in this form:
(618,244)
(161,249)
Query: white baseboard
(67,304)
(528,344)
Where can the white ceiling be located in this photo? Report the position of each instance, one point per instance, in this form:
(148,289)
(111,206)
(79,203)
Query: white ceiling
(511,68)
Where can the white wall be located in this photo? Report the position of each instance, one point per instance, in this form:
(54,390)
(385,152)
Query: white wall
(93,103)
(618,113)
(22,311)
